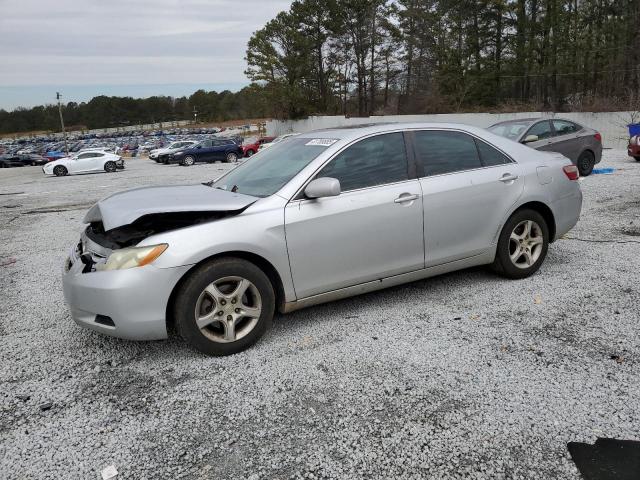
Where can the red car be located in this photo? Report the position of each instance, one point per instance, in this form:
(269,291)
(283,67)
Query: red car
(252,148)
(634,147)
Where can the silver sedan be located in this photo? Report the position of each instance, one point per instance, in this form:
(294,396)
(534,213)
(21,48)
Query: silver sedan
(320,216)
(581,144)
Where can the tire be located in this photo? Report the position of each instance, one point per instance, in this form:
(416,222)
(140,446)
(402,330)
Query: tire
(585,163)
(60,171)
(110,167)
(188,161)
(232,157)
(637,159)
(513,241)
(250,153)
(195,298)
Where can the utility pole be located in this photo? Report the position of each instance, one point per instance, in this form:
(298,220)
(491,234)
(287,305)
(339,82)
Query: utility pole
(64,134)
(195,115)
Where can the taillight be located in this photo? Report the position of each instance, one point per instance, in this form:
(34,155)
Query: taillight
(571,171)
(598,137)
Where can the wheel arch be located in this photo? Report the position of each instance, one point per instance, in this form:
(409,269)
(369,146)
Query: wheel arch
(265,265)
(544,210)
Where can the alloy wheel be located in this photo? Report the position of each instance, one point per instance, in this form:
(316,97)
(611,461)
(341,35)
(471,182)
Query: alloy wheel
(188,161)
(228,309)
(526,244)
(232,157)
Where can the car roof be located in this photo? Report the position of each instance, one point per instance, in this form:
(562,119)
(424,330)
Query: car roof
(353,132)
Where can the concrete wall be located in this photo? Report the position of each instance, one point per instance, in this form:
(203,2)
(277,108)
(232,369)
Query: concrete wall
(612,125)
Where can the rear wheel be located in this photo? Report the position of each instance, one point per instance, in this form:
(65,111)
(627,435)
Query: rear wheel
(585,163)
(60,171)
(110,167)
(224,306)
(522,246)
(637,159)
(188,161)
(232,157)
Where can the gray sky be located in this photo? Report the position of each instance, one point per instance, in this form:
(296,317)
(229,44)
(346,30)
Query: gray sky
(145,47)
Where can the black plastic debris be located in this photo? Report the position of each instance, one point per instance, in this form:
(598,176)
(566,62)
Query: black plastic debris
(23,396)
(607,459)
(46,406)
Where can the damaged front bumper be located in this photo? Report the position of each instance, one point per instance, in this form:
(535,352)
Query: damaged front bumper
(129,303)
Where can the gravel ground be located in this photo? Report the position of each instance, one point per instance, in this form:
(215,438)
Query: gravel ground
(461,376)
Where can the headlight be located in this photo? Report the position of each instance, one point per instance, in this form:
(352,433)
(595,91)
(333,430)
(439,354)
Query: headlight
(132,257)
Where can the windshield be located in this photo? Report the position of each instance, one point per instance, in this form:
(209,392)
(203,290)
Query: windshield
(511,130)
(264,174)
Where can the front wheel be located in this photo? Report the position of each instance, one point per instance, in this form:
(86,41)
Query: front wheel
(188,161)
(585,163)
(637,159)
(110,167)
(522,246)
(250,153)
(224,306)
(60,171)
(232,157)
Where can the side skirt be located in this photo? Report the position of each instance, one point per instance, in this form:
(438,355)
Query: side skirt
(480,259)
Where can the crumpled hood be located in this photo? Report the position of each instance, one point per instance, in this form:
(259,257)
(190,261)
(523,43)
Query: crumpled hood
(126,207)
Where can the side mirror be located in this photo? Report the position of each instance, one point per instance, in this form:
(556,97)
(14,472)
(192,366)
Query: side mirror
(530,138)
(323,187)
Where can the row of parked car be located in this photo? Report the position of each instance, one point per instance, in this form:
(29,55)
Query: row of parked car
(40,149)
(189,152)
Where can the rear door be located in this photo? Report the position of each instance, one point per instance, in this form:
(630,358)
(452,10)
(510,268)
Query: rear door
(544,132)
(567,139)
(468,186)
(372,230)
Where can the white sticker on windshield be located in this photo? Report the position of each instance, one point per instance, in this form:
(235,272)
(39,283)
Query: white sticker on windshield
(321,142)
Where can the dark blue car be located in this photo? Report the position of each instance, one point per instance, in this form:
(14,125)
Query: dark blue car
(213,150)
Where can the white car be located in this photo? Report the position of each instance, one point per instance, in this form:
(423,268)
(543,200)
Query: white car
(277,140)
(85,162)
(172,148)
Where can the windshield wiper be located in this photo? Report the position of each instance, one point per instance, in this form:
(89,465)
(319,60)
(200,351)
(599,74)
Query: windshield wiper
(233,189)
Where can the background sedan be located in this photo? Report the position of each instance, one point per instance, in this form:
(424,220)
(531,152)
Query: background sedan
(210,150)
(581,144)
(85,162)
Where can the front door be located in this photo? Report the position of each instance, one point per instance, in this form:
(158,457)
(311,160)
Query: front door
(372,230)
(544,132)
(468,188)
(82,163)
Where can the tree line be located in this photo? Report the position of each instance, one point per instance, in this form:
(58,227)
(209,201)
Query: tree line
(363,57)
(104,111)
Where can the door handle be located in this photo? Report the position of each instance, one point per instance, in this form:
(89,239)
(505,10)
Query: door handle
(507,177)
(406,197)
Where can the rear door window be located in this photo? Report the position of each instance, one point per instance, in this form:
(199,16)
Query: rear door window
(373,161)
(490,156)
(443,152)
(564,127)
